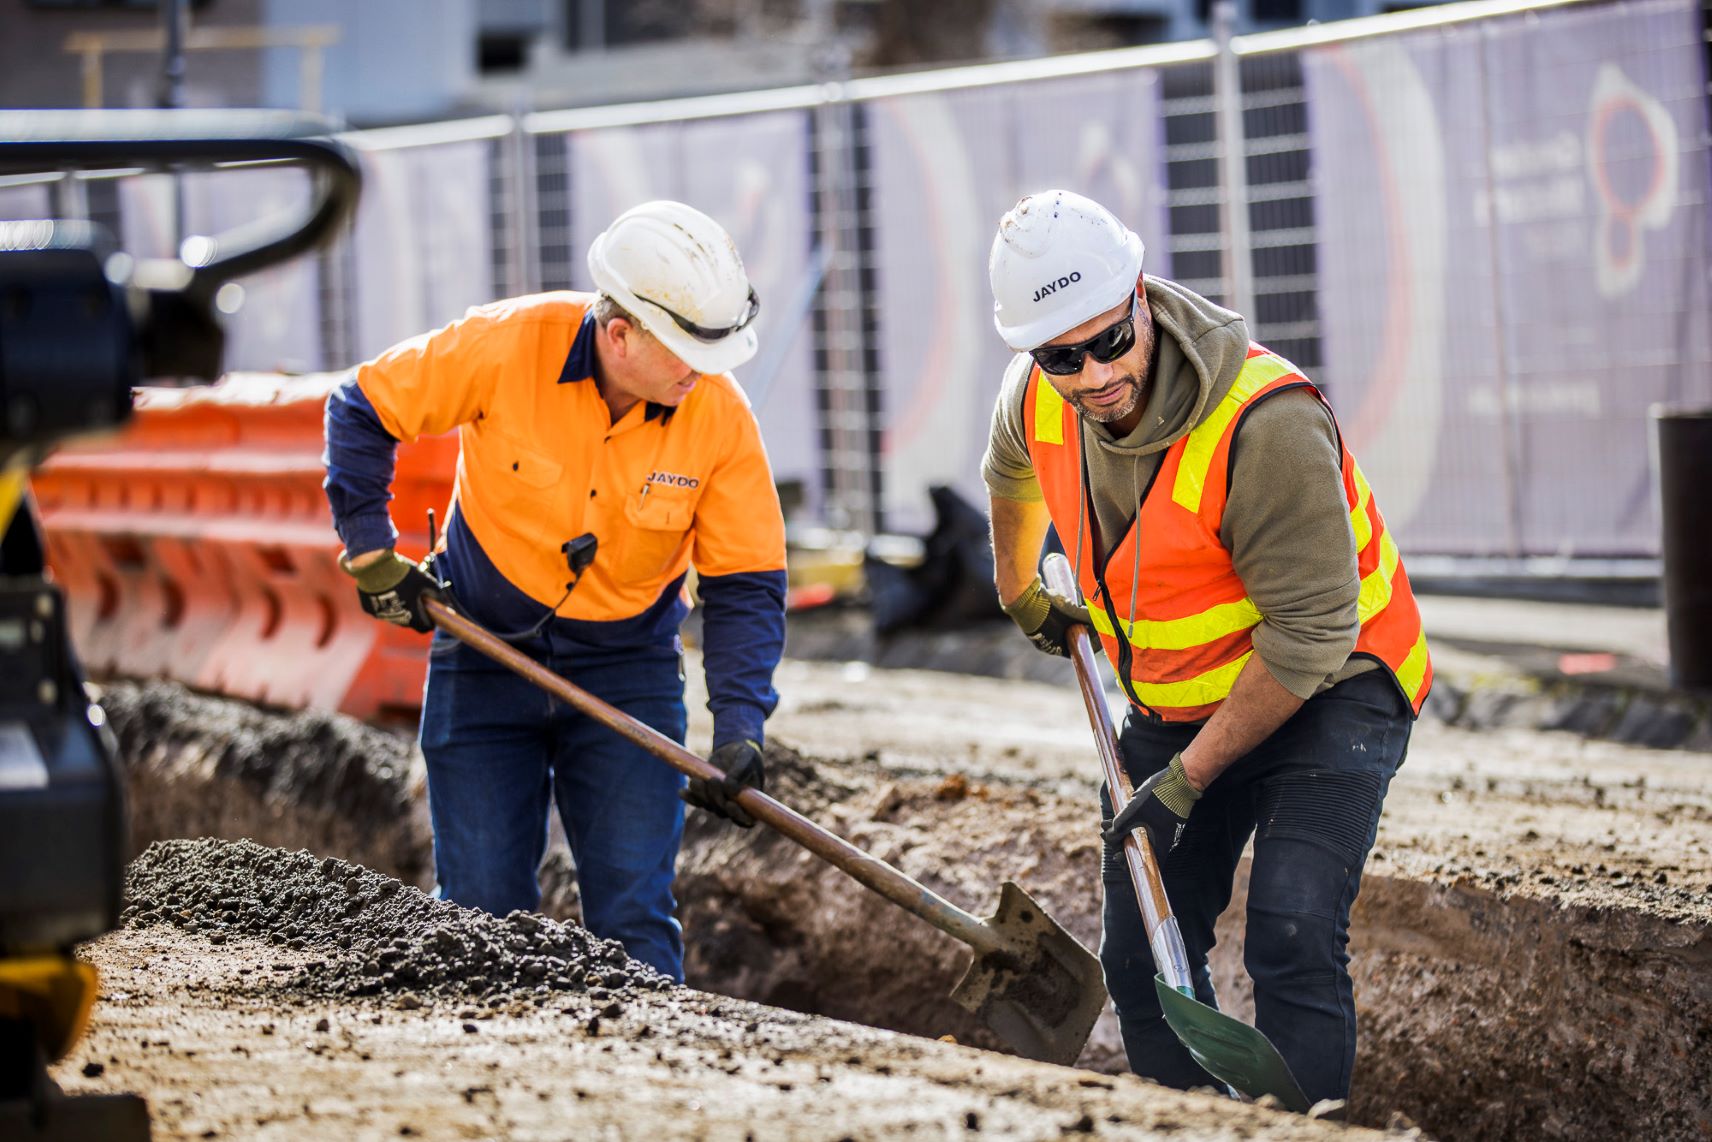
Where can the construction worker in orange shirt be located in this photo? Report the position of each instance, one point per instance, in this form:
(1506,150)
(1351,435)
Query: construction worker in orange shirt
(605,450)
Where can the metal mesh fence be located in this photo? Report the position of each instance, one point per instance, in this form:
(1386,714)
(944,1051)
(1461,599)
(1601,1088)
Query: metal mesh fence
(553,210)
(846,325)
(1279,198)
(1486,241)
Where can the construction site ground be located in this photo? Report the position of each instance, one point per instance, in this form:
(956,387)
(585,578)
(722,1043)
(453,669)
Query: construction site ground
(1530,948)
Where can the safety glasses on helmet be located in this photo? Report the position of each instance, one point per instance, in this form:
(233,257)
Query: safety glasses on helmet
(751,307)
(1105,347)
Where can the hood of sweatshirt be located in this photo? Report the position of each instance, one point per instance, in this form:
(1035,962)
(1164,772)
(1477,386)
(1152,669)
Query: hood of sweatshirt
(1200,350)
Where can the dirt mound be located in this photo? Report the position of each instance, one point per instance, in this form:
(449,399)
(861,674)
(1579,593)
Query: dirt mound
(380,935)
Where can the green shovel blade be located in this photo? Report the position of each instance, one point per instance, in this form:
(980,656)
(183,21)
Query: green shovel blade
(1229,1049)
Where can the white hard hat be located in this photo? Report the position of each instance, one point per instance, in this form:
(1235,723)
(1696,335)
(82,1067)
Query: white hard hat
(1058,260)
(677,272)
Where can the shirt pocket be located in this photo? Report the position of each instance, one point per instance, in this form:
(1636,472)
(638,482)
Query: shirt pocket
(657,522)
(526,495)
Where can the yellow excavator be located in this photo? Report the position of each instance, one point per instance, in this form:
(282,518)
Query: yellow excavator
(81,326)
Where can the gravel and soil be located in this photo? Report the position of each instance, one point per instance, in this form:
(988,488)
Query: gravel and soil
(1531,946)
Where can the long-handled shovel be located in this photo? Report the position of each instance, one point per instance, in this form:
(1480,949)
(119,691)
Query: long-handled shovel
(1029,980)
(1230,1050)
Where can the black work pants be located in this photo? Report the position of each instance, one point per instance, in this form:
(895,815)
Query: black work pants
(1310,795)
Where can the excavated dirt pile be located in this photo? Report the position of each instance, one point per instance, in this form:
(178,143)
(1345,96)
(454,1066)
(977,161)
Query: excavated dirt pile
(1532,947)
(380,936)
(230,1003)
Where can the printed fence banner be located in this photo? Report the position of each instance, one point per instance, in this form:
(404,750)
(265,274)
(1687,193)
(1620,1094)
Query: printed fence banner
(751,175)
(1513,242)
(422,245)
(946,166)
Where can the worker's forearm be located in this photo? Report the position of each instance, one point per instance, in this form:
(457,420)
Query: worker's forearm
(743,635)
(1258,705)
(1019,529)
(360,462)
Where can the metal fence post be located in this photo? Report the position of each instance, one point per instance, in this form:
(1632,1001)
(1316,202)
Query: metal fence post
(1236,258)
(851,496)
(1508,399)
(526,230)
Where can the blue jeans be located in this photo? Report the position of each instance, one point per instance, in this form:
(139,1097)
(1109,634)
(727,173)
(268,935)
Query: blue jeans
(499,750)
(1311,795)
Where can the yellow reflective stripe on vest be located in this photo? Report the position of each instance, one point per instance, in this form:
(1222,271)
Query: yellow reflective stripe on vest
(1376,585)
(1358,515)
(1048,413)
(1202,690)
(1204,439)
(1413,673)
(1181,634)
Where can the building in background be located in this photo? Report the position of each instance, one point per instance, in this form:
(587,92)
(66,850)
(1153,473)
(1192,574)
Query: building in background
(392,61)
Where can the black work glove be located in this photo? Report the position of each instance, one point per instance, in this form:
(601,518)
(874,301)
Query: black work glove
(1161,805)
(1046,618)
(741,761)
(394,589)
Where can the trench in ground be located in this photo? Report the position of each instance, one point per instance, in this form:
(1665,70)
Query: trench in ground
(1483,1014)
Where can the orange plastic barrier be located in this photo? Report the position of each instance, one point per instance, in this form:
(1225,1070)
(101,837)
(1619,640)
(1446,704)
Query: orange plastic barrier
(197,545)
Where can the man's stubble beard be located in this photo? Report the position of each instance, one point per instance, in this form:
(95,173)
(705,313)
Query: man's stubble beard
(1145,335)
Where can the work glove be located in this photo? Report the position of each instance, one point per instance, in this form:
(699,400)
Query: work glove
(741,762)
(1046,618)
(1161,805)
(394,589)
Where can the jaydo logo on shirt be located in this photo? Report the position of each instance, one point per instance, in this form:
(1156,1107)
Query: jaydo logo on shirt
(672,479)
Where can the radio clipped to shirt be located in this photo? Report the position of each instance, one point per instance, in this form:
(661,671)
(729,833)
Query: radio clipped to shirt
(579,555)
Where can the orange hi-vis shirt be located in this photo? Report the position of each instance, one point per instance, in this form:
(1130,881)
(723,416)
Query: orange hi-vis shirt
(1174,617)
(541,461)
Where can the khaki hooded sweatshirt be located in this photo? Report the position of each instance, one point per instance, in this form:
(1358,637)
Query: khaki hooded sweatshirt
(1286,522)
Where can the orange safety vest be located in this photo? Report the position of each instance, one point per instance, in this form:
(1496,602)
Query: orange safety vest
(1186,619)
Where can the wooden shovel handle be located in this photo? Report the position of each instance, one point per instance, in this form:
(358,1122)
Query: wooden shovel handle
(867,870)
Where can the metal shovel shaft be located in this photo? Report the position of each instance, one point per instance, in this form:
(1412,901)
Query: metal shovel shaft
(870,871)
(1163,934)
(1237,1054)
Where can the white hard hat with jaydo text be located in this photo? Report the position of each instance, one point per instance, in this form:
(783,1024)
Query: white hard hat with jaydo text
(1058,260)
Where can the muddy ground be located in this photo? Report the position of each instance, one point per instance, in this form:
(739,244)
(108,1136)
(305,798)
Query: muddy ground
(1530,949)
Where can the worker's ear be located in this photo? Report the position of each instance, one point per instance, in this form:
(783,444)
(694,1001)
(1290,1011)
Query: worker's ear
(627,336)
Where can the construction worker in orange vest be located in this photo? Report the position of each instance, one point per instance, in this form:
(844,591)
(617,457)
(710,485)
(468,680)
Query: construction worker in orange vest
(604,450)
(1245,589)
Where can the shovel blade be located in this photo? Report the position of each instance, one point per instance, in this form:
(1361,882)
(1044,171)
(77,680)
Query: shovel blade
(1043,991)
(1229,1049)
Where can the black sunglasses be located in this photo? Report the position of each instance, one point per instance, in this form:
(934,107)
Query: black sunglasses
(1105,347)
(708,333)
